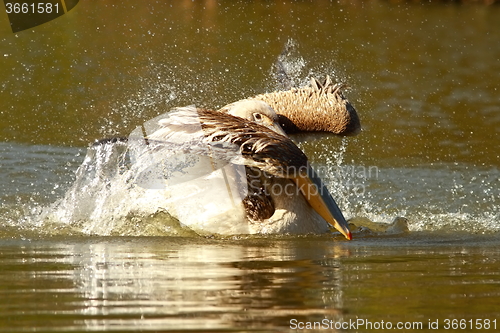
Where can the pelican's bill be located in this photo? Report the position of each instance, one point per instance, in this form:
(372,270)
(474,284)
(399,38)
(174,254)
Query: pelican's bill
(318,196)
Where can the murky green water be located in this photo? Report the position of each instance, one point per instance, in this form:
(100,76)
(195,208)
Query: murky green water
(424,80)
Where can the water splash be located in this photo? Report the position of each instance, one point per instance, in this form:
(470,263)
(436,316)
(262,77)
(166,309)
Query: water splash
(104,201)
(289,67)
(426,196)
(436,198)
(152,177)
(441,198)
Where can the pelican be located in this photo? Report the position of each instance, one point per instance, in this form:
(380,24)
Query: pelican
(257,111)
(318,107)
(235,172)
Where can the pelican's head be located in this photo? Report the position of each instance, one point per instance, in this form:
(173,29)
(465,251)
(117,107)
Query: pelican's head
(319,107)
(257,111)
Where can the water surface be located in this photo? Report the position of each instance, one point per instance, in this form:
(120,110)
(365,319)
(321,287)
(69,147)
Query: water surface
(424,79)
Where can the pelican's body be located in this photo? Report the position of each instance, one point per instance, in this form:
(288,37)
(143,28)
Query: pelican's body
(229,172)
(230,175)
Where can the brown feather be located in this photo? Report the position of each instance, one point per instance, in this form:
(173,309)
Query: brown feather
(319,107)
(258,204)
(261,147)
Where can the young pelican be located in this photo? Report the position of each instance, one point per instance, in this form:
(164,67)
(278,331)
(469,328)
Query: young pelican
(272,188)
(319,107)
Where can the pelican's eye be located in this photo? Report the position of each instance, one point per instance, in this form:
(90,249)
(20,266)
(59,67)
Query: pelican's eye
(257,116)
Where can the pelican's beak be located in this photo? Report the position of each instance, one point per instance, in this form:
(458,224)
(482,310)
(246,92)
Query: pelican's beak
(275,126)
(321,200)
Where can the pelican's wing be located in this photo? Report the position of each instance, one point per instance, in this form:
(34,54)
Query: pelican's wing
(192,152)
(172,149)
(222,137)
(197,180)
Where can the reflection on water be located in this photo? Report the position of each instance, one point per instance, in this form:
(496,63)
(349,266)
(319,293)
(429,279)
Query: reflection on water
(180,283)
(171,283)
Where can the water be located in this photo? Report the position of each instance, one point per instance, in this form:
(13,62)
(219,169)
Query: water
(424,80)
(162,283)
